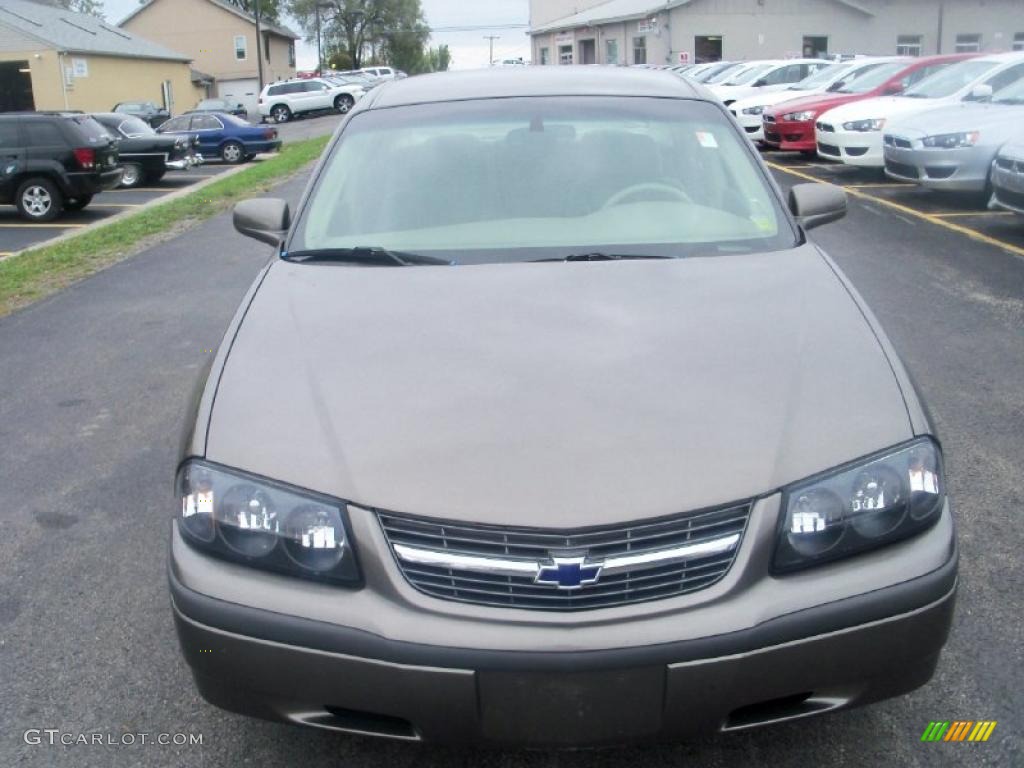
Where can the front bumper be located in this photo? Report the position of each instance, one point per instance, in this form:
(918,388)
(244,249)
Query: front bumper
(751,124)
(955,170)
(566,689)
(790,136)
(1008,186)
(859,148)
(185,163)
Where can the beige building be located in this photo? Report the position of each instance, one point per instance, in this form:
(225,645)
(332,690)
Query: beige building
(680,31)
(220,38)
(53,59)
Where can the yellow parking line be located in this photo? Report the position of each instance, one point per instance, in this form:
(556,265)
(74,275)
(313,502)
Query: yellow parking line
(974,213)
(891,185)
(116,205)
(26,225)
(147,189)
(974,234)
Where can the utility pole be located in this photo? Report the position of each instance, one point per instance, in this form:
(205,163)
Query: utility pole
(319,54)
(942,13)
(259,46)
(490,39)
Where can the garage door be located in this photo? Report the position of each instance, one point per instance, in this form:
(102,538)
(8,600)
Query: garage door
(245,92)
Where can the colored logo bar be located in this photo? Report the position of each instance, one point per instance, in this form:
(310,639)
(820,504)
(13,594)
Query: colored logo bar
(958,730)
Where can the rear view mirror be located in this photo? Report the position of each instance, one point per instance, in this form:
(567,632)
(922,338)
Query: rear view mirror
(816,204)
(981,92)
(265,219)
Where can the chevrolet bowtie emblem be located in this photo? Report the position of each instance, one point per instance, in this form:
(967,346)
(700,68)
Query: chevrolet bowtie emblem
(568,573)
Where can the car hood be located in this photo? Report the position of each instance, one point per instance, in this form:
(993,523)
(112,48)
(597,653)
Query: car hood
(888,107)
(771,98)
(996,122)
(1013,150)
(820,102)
(554,394)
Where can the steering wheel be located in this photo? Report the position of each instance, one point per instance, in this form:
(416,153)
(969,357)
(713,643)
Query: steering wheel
(647,186)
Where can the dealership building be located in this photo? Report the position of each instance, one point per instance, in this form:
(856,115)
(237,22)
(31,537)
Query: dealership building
(687,31)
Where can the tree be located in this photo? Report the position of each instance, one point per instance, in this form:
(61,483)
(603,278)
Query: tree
(269,9)
(438,59)
(91,7)
(353,26)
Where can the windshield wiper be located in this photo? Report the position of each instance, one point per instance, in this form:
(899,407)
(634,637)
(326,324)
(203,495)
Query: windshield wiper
(372,256)
(598,256)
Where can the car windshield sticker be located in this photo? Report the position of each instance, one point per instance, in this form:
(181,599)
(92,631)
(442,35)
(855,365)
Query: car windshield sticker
(707,140)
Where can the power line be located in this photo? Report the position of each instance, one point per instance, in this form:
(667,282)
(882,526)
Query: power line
(479,27)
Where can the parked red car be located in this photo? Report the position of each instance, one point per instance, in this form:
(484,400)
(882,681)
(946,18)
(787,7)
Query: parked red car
(790,125)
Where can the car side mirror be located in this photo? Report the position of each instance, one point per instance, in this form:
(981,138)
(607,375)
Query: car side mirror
(892,89)
(816,204)
(981,92)
(265,219)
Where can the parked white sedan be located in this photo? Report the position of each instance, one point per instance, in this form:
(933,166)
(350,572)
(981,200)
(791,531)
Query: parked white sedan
(749,111)
(775,76)
(855,130)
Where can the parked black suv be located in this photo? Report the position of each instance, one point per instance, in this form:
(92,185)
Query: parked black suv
(54,161)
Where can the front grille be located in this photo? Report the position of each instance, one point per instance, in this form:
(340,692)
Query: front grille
(939,171)
(902,169)
(772,136)
(537,545)
(751,128)
(829,149)
(826,127)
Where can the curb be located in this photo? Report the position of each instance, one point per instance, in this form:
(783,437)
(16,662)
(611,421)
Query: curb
(131,212)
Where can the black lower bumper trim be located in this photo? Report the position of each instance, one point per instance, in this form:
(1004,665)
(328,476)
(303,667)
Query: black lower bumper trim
(290,630)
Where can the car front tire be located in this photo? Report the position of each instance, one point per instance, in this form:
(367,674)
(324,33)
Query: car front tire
(38,200)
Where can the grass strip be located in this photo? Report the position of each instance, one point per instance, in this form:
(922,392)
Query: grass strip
(41,272)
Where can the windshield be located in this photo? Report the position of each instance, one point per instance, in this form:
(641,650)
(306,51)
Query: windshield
(874,77)
(132,127)
(748,75)
(951,79)
(448,180)
(1011,94)
(235,120)
(719,72)
(822,78)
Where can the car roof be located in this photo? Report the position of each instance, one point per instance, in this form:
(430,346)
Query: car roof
(533,81)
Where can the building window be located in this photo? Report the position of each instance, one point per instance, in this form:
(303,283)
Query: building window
(968,43)
(1018,41)
(565,54)
(611,51)
(241,48)
(908,45)
(291,53)
(639,50)
(545,55)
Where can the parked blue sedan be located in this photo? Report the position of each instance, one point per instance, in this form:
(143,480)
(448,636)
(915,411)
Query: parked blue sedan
(221,135)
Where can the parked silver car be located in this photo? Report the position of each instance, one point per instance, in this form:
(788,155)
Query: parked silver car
(1008,177)
(953,147)
(602,454)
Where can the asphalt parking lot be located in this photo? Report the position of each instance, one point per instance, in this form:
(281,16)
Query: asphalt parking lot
(95,380)
(17,234)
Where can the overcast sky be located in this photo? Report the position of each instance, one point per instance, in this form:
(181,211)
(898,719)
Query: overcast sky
(469,49)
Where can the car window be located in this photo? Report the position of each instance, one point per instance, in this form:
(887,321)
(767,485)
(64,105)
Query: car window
(1007,77)
(921,73)
(275,90)
(43,134)
(1012,94)
(748,76)
(9,134)
(90,128)
(675,178)
(233,120)
(133,127)
(205,123)
(950,79)
(175,124)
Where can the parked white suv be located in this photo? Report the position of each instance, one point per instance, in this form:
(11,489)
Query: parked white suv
(282,101)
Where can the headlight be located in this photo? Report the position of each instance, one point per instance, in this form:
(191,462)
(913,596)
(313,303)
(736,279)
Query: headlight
(752,110)
(875,124)
(951,140)
(855,508)
(799,117)
(265,524)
